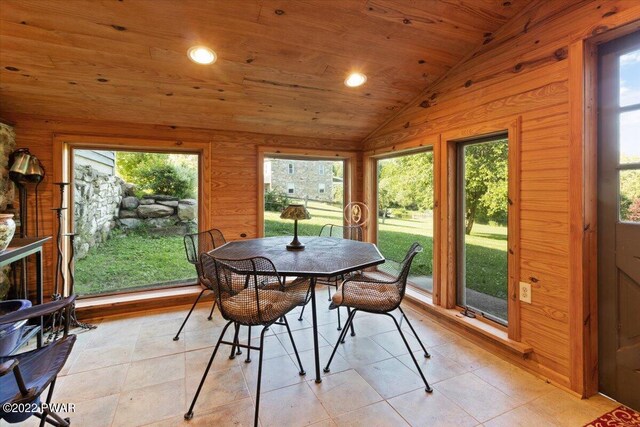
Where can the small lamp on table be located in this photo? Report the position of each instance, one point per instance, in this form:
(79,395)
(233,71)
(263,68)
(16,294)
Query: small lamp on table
(295,212)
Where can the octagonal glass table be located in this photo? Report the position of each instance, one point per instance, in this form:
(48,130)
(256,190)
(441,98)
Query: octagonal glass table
(321,257)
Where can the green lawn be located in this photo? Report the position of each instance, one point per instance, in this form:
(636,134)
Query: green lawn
(486,247)
(132,261)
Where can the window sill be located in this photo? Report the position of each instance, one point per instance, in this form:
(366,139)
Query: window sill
(494,334)
(110,305)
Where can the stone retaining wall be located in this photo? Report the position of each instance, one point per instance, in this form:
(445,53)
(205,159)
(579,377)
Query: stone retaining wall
(104,203)
(159,214)
(97,198)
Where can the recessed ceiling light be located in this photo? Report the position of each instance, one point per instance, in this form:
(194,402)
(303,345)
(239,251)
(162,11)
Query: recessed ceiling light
(202,55)
(355,80)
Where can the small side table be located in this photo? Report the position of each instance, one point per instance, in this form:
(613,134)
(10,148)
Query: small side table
(19,249)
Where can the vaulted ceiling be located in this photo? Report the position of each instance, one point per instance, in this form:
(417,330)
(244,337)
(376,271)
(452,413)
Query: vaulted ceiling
(281,64)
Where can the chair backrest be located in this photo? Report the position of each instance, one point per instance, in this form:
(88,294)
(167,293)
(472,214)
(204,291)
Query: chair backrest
(247,289)
(350,232)
(197,243)
(405,267)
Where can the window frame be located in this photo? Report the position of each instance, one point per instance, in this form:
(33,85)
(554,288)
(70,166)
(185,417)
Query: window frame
(63,146)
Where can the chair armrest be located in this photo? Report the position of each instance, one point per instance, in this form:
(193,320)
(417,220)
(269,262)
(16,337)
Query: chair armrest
(37,310)
(7,366)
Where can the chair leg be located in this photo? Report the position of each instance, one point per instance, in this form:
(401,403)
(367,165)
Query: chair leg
(189,414)
(340,338)
(353,331)
(212,308)
(295,350)
(255,419)
(426,353)
(233,353)
(329,293)
(45,414)
(304,306)
(248,359)
(427,388)
(339,323)
(177,337)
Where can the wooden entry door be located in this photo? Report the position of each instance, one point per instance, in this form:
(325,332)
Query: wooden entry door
(619,220)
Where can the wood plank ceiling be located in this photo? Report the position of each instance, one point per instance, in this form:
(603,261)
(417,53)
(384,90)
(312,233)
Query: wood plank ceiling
(280,69)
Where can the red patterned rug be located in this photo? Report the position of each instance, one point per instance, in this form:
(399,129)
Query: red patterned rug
(619,417)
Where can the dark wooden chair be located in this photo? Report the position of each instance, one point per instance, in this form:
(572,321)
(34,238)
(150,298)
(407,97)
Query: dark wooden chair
(250,292)
(194,245)
(364,293)
(25,376)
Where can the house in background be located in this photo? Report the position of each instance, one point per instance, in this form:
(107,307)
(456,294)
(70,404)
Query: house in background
(100,160)
(302,179)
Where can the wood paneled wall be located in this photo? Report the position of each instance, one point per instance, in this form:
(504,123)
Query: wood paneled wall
(234,172)
(526,72)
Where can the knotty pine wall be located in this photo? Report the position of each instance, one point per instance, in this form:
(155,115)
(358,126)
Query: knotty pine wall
(234,167)
(532,69)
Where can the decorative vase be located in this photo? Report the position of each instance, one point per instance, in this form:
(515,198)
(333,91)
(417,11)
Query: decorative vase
(7,229)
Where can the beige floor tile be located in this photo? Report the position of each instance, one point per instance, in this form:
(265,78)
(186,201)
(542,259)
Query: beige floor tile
(476,397)
(276,373)
(220,388)
(522,416)
(114,332)
(514,382)
(324,423)
(147,348)
(361,351)
(90,385)
(291,406)
(467,354)
(303,339)
(237,414)
(343,392)
(206,337)
(367,324)
(431,409)
(151,404)
(272,347)
(379,414)
(101,357)
(393,343)
(338,364)
(148,372)
(161,328)
(95,413)
(390,378)
(430,333)
(435,368)
(197,360)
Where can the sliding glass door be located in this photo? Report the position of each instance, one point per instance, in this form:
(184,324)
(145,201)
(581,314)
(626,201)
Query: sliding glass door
(482,227)
(405,213)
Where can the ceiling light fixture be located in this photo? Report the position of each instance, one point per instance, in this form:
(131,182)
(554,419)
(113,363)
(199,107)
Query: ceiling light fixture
(202,55)
(355,80)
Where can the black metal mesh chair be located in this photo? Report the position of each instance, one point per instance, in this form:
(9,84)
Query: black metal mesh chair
(363,293)
(24,377)
(194,245)
(350,232)
(250,292)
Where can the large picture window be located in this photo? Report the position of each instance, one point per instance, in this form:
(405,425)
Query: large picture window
(320,189)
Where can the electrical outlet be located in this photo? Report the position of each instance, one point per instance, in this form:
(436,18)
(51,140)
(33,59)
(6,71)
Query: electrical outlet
(525,292)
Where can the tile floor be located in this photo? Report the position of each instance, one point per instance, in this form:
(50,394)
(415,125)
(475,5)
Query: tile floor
(129,372)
